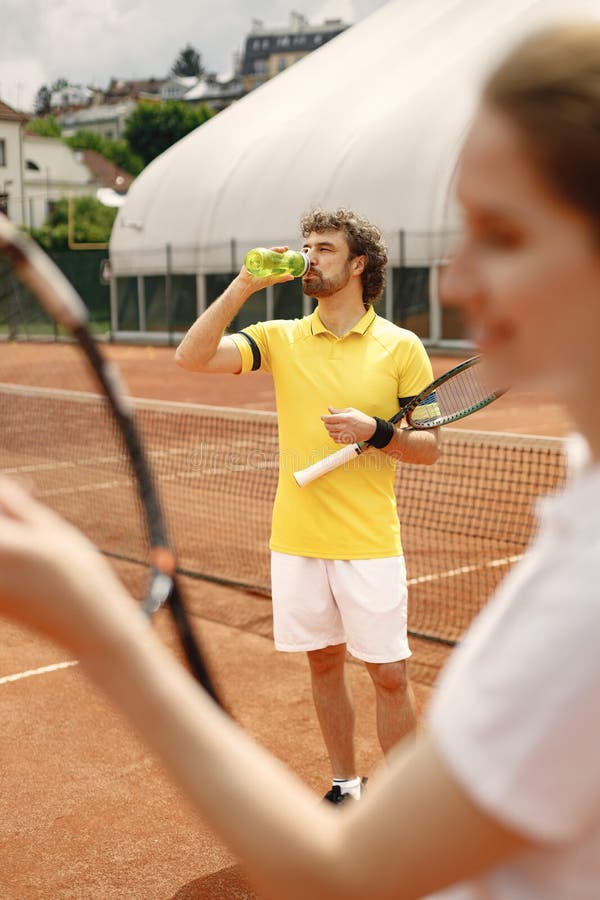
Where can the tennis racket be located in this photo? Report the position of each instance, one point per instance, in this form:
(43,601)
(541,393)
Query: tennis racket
(456,394)
(33,288)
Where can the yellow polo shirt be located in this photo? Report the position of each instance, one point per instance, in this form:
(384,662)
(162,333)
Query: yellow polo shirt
(349,513)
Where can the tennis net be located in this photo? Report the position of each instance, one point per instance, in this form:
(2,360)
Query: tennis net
(465,520)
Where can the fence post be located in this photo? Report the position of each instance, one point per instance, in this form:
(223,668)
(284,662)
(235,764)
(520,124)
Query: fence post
(401,267)
(169,293)
(114,305)
(389,293)
(141,301)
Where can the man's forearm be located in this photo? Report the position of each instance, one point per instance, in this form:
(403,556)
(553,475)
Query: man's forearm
(348,425)
(411,446)
(202,340)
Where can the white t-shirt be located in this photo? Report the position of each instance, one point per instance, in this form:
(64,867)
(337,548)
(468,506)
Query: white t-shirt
(516,714)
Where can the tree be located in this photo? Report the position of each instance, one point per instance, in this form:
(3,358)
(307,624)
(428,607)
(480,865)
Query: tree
(44,95)
(188,62)
(153,127)
(41,104)
(45,126)
(119,152)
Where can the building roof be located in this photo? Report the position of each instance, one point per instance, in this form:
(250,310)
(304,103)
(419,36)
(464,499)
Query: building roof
(297,22)
(212,89)
(106,172)
(119,89)
(8,114)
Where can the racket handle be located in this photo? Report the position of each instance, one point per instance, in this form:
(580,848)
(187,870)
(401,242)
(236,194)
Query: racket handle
(333,461)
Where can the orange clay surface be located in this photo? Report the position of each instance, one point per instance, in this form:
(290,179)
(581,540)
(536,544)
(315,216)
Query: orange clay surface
(87,811)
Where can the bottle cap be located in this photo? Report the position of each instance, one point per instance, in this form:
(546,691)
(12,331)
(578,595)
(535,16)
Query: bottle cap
(306,255)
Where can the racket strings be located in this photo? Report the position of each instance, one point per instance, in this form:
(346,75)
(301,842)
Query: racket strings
(464,393)
(69,429)
(59,432)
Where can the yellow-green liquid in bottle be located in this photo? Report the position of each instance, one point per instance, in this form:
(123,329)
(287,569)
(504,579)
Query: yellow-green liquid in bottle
(263,263)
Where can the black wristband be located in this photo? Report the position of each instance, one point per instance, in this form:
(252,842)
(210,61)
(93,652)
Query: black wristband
(384,432)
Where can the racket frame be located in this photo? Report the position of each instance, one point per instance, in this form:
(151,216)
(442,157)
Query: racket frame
(62,302)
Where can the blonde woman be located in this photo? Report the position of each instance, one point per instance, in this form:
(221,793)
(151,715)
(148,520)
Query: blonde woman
(500,798)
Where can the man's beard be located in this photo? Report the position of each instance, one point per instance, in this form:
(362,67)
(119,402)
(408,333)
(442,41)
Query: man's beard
(318,286)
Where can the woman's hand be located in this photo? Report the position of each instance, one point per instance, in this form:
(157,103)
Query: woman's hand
(52,578)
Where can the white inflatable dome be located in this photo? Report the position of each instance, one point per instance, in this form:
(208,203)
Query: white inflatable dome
(372,120)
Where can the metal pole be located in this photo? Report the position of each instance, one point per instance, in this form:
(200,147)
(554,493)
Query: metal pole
(169,293)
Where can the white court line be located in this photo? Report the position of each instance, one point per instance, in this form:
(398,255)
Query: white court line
(42,671)
(163,479)
(466,570)
(422,579)
(88,463)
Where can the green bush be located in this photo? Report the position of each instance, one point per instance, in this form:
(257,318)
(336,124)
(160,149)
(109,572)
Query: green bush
(119,152)
(92,223)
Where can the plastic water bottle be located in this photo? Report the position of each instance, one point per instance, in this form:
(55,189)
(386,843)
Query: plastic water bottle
(262,262)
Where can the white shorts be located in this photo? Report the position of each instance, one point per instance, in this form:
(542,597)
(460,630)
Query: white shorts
(358,602)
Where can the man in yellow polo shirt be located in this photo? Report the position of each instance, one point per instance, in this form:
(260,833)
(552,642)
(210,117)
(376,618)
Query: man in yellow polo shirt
(338,574)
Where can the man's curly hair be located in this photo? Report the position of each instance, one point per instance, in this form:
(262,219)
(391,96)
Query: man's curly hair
(363,239)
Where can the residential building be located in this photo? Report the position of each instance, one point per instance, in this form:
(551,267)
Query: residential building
(71,95)
(119,91)
(52,170)
(106,119)
(268,51)
(217,91)
(11,162)
(176,86)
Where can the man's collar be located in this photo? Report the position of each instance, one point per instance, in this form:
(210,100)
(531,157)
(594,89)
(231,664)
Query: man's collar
(363,324)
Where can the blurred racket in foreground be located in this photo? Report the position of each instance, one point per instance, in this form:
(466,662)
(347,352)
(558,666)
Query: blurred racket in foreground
(456,394)
(32,289)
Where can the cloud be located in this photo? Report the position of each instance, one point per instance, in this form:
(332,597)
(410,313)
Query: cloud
(20,78)
(88,42)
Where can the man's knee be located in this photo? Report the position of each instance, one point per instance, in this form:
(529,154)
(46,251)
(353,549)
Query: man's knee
(389,677)
(327,660)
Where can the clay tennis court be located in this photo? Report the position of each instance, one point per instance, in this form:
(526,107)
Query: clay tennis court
(86,810)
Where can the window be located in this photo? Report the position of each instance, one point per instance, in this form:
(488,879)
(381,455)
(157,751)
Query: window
(170,302)
(127,304)
(2,152)
(411,299)
(33,166)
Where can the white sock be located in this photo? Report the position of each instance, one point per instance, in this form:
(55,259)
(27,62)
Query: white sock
(348,786)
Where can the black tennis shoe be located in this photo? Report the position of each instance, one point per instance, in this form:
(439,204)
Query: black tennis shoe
(334,794)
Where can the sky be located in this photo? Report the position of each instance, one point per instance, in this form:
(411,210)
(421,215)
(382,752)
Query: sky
(90,41)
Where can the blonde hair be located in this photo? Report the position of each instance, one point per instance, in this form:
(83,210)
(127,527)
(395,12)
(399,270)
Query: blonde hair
(549,87)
